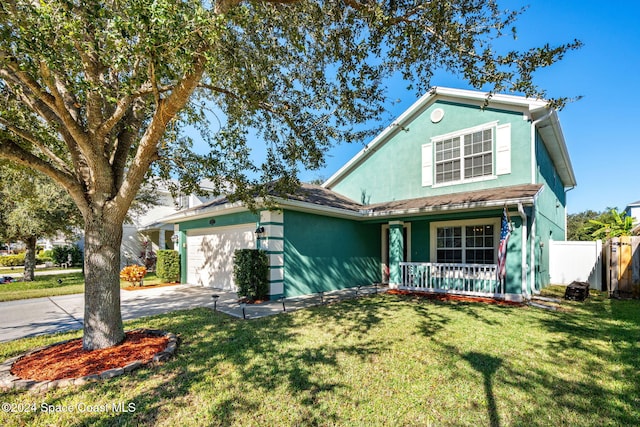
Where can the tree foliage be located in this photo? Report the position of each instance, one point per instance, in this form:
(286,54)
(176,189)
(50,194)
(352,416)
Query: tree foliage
(592,225)
(618,224)
(94,94)
(32,206)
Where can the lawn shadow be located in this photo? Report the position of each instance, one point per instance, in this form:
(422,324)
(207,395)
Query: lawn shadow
(487,365)
(251,358)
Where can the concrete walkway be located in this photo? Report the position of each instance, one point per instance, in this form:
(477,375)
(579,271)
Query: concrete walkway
(38,316)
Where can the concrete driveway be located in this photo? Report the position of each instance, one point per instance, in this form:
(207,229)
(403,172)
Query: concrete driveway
(50,315)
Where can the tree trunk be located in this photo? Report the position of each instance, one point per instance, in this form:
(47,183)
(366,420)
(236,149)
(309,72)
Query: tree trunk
(102,318)
(30,259)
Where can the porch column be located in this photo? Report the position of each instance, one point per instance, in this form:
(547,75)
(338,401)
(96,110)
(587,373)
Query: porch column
(396,249)
(161,239)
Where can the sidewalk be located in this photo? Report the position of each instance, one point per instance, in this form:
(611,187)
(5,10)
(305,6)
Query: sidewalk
(19,271)
(227,302)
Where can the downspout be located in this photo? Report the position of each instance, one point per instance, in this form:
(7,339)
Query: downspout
(533,248)
(523,250)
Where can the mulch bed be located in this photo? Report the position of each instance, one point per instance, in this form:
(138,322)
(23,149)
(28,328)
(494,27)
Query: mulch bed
(69,360)
(451,297)
(138,288)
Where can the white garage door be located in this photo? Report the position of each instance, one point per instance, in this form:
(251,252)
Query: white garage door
(210,254)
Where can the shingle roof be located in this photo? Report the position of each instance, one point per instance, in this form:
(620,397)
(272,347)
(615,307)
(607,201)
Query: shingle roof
(313,197)
(495,195)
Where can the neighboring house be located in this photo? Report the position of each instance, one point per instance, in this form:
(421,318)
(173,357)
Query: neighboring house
(420,207)
(146,233)
(633,210)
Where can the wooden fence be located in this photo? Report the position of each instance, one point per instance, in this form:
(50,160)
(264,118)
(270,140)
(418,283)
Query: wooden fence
(622,257)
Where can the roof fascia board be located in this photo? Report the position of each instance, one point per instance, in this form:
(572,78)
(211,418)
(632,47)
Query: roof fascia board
(421,104)
(560,157)
(227,208)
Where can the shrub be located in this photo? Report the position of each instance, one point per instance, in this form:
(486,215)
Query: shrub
(60,255)
(168,265)
(12,260)
(133,274)
(251,269)
(46,254)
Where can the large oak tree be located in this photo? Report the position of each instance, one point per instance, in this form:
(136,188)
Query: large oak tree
(94,94)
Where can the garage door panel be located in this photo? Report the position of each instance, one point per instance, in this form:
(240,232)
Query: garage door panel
(210,254)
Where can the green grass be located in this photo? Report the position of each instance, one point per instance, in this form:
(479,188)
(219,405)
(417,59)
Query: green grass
(384,360)
(48,286)
(43,286)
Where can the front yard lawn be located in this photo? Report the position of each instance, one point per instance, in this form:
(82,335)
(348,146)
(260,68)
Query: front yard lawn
(43,286)
(48,286)
(383,360)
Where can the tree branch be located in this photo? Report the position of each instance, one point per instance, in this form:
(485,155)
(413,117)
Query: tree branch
(11,151)
(27,136)
(148,148)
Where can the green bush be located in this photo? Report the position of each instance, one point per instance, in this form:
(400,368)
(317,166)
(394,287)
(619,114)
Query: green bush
(251,270)
(12,260)
(60,255)
(41,259)
(46,254)
(168,265)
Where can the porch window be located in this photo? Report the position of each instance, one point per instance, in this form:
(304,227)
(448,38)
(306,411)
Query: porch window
(466,244)
(464,157)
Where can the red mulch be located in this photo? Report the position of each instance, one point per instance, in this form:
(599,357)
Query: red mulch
(159,285)
(451,297)
(69,360)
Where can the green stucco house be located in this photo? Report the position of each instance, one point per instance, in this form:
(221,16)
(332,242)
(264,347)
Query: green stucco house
(420,207)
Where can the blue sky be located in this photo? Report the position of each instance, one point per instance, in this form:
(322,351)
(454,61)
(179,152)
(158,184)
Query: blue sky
(600,128)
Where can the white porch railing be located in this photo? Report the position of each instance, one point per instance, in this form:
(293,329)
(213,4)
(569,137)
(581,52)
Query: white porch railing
(468,279)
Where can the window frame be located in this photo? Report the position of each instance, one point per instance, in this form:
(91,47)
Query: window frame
(433,228)
(492,126)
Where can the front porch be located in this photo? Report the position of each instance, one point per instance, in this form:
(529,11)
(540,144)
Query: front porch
(464,279)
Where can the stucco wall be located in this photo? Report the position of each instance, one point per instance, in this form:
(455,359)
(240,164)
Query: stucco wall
(324,253)
(393,171)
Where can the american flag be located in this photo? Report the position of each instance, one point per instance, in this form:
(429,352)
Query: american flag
(505,232)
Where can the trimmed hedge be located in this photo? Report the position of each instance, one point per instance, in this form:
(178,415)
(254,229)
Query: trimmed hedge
(251,270)
(60,255)
(168,265)
(12,260)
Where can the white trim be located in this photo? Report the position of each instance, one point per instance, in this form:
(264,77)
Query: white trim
(427,164)
(433,231)
(465,131)
(503,149)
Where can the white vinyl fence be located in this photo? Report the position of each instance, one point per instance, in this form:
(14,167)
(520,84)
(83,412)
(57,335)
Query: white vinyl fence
(576,261)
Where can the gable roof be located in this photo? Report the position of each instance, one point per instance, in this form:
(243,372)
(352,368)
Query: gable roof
(545,119)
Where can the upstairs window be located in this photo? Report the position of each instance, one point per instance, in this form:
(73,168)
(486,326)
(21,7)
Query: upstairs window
(474,154)
(464,157)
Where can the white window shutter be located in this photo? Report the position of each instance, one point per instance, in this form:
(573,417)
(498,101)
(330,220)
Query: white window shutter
(503,149)
(427,165)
